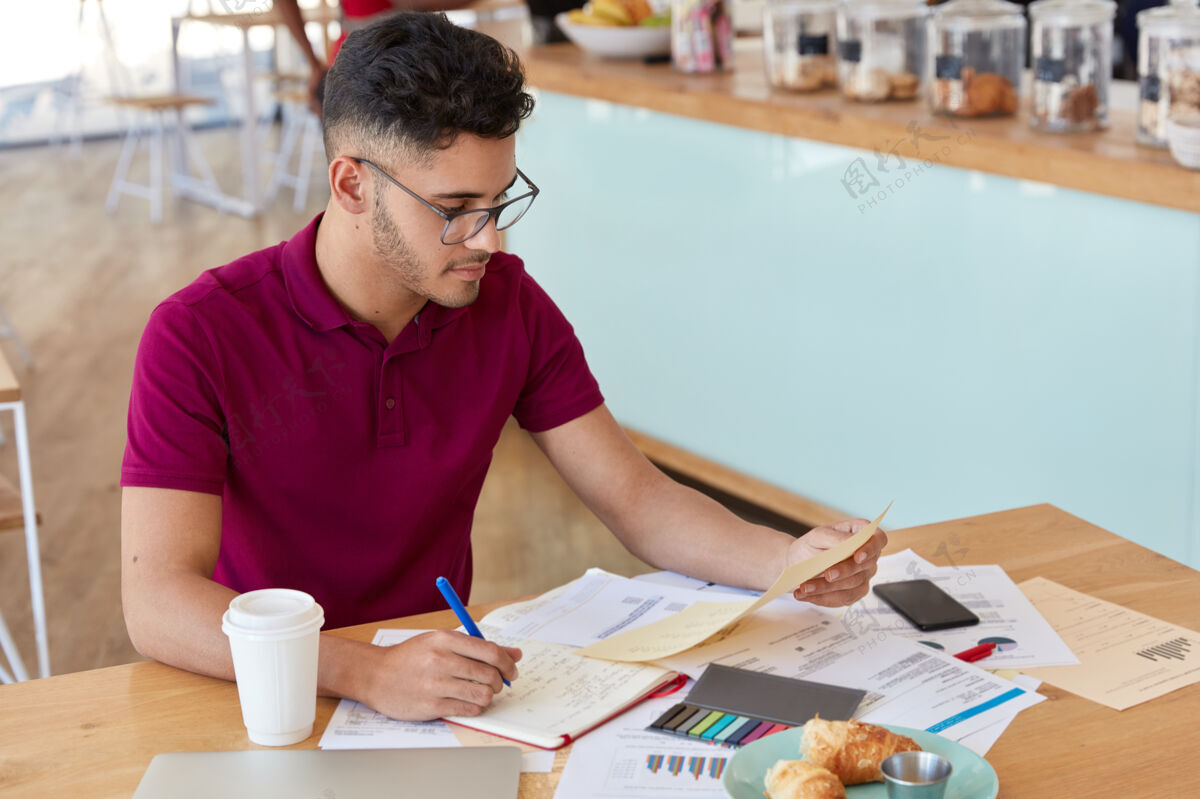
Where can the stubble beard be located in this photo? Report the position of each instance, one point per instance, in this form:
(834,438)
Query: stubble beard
(405,268)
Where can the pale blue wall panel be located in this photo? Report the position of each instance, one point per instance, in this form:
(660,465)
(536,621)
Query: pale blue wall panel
(970,343)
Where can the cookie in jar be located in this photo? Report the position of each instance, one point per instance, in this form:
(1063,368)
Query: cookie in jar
(1168,67)
(1071,46)
(977,54)
(882,49)
(799,39)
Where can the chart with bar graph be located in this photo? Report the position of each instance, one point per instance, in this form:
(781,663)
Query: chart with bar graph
(694,766)
(683,772)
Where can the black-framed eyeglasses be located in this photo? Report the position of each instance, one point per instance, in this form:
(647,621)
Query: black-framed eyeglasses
(464,225)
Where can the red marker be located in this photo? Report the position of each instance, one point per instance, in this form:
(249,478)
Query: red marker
(977,652)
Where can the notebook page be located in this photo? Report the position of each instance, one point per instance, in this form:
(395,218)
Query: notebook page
(559,693)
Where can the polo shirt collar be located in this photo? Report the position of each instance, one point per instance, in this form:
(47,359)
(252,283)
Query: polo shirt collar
(313,302)
(310,297)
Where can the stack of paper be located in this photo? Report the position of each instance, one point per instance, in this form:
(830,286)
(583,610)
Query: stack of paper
(907,683)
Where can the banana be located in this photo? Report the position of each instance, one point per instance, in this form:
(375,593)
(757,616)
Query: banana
(613,10)
(581,17)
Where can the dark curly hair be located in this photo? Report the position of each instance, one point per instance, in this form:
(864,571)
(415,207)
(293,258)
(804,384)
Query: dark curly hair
(414,81)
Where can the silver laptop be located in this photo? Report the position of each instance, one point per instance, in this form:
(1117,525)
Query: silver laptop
(452,773)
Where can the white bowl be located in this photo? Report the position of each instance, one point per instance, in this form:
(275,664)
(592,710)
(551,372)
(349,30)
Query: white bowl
(1183,137)
(617,42)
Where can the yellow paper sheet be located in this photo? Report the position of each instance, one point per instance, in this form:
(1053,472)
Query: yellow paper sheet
(696,623)
(1126,657)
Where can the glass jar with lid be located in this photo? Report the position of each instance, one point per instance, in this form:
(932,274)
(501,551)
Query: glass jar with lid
(1071,46)
(977,50)
(799,37)
(881,48)
(1168,67)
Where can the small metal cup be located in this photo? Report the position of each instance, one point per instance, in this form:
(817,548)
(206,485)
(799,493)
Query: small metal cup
(916,775)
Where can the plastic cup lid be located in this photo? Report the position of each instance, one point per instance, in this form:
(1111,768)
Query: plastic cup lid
(272,610)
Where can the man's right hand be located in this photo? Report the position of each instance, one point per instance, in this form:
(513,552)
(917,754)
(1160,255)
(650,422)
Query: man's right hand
(439,673)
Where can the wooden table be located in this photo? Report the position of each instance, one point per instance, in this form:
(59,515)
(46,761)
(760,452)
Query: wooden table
(92,734)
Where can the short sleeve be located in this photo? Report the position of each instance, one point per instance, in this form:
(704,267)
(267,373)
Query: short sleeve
(176,430)
(559,387)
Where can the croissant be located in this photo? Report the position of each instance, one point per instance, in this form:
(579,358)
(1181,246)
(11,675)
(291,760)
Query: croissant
(797,779)
(852,750)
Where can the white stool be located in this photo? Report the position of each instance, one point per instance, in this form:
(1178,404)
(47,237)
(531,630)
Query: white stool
(299,124)
(10,400)
(165,125)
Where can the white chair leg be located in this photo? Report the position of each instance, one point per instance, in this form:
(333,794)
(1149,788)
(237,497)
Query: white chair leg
(156,169)
(283,158)
(194,156)
(127,151)
(32,551)
(312,136)
(176,156)
(14,657)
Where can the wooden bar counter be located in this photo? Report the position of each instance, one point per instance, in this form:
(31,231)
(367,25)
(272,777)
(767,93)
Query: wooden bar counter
(1108,162)
(92,734)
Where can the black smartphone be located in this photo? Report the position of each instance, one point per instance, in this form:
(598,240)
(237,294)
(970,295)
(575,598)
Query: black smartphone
(925,605)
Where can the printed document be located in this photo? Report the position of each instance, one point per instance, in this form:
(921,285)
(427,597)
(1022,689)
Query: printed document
(693,625)
(1127,657)
(1007,618)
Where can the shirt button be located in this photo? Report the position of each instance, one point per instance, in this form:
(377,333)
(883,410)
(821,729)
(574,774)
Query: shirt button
(391,403)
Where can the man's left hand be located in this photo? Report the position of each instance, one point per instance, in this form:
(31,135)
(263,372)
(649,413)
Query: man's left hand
(843,583)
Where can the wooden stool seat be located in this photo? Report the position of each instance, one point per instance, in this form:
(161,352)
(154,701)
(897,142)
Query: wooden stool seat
(279,78)
(161,102)
(291,96)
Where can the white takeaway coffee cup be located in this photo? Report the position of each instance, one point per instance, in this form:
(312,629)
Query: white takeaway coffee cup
(274,635)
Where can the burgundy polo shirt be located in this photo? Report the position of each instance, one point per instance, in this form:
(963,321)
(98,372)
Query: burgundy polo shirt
(348,467)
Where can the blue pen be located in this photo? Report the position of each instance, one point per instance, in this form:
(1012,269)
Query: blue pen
(456,605)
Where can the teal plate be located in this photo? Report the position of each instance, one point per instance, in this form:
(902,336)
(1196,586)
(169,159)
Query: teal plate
(972,777)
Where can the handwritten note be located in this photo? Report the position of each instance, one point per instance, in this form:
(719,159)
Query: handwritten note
(559,694)
(695,624)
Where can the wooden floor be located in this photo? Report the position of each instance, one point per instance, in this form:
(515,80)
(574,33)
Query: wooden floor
(79,285)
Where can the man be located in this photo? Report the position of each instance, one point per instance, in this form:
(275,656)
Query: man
(321,414)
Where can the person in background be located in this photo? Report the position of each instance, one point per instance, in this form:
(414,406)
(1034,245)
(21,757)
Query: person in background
(356,14)
(321,414)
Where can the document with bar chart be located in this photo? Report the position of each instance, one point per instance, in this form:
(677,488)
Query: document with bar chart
(621,759)
(1128,657)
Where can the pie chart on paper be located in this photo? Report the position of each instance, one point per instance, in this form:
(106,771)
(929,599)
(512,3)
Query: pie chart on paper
(1002,644)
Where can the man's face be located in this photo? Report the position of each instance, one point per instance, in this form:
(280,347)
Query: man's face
(472,173)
